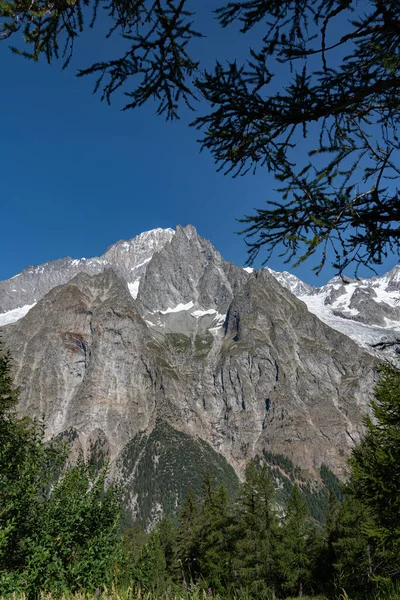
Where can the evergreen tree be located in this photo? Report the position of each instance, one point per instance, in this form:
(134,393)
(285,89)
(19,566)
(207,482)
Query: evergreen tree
(78,545)
(150,570)
(296,550)
(59,528)
(214,539)
(257,528)
(353,552)
(134,538)
(326,558)
(375,473)
(187,540)
(8,394)
(168,537)
(27,466)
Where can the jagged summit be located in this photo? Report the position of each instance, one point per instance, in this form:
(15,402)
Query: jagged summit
(162,330)
(126,257)
(190,280)
(367,310)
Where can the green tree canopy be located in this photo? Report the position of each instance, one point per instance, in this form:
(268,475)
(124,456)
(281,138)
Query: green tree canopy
(213,536)
(352,553)
(296,552)
(257,531)
(338,94)
(187,542)
(27,466)
(59,526)
(375,471)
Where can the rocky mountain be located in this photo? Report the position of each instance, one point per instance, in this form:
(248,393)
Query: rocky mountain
(366,310)
(127,258)
(171,361)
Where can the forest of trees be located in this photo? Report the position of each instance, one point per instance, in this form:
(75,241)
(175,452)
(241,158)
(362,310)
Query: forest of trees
(61,524)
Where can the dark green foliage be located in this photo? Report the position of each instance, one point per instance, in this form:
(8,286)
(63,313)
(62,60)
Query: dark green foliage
(375,475)
(213,536)
(187,543)
(169,539)
(177,343)
(199,549)
(167,464)
(298,546)
(332,483)
(59,528)
(78,543)
(149,571)
(256,536)
(27,467)
(363,540)
(8,393)
(352,552)
(375,462)
(284,463)
(338,63)
(134,538)
(286,475)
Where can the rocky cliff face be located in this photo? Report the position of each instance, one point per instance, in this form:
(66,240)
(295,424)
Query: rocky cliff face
(224,356)
(366,310)
(127,258)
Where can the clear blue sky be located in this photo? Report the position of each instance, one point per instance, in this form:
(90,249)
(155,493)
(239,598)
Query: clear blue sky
(77,175)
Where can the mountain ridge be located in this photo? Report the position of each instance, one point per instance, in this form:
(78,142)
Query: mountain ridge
(221,354)
(366,310)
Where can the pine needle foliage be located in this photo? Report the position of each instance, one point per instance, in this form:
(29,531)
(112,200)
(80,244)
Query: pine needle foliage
(254,559)
(59,526)
(375,473)
(296,548)
(321,73)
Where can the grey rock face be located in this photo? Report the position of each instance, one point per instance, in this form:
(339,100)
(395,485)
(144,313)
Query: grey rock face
(267,376)
(82,362)
(289,383)
(129,259)
(189,269)
(367,310)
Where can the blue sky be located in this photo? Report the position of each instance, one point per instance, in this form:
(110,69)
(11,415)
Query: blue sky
(77,175)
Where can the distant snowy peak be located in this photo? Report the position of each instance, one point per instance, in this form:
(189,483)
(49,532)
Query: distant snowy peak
(374,301)
(138,251)
(366,310)
(128,258)
(292,283)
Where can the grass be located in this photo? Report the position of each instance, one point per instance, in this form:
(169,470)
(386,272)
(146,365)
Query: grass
(186,594)
(131,594)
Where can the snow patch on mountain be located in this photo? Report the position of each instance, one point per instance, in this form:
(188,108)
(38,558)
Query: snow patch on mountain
(14,315)
(187,318)
(366,310)
(134,288)
(178,308)
(364,335)
(291,282)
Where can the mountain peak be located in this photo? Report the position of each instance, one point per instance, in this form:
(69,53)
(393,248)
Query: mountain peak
(127,257)
(167,269)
